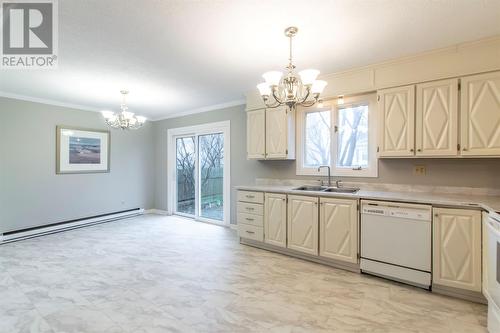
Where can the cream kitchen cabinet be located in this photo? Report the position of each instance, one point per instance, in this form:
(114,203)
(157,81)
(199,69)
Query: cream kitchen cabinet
(338,229)
(275,219)
(256,134)
(302,224)
(457,248)
(396,122)
(480,115)
(271,134)
(437,118)
(250,210)
(484,258)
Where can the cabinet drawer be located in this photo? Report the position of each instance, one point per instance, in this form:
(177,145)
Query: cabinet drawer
(251,232)
(247,196)
(244,218)
(250,208)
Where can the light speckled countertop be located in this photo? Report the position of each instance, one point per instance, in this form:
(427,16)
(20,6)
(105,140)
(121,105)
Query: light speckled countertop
(490,203)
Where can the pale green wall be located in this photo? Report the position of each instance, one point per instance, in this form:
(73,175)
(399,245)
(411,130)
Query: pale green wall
(31,193)
(440,172)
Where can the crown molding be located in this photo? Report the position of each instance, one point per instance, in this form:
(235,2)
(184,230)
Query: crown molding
(47,101)
(202,109)
(93,109)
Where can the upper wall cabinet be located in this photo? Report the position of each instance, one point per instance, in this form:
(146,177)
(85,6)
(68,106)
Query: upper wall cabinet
(480,115)
(434,125)
(256,134)
(397,121)
(437,118)
(271,134)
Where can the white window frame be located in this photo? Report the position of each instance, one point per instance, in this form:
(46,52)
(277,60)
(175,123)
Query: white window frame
(197,130)
(371,170)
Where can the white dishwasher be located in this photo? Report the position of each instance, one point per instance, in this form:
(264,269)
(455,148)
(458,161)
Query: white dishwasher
(396,241)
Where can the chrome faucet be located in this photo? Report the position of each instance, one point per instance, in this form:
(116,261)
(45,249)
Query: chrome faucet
(329,178)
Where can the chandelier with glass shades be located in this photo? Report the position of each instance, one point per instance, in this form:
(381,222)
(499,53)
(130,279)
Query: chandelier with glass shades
(124,119)
(292,89)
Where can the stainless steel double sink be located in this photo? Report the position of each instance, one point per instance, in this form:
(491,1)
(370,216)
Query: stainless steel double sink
(313,188)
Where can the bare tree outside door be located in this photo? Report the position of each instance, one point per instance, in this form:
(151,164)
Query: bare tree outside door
(185,168)
(211,147)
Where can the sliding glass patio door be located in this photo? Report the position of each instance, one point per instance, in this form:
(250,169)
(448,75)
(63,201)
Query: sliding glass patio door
(185,175)
(201,179)
(211,176)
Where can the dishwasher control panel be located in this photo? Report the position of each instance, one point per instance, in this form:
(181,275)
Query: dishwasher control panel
(393,210)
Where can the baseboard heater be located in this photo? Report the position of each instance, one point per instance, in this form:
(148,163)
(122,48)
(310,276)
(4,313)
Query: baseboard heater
(14,236)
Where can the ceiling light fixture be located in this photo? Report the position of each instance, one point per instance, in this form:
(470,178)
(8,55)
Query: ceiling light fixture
(291,90)
(124,119)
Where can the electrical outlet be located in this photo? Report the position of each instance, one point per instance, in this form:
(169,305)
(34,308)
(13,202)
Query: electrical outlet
(419,170)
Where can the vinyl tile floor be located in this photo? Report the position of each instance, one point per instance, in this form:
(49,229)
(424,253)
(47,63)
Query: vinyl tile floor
(168,274)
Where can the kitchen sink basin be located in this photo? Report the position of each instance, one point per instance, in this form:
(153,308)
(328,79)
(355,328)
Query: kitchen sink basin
(341,189)
(310,188)
(327,189)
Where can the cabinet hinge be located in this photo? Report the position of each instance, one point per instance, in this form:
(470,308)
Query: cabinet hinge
(459,86)
(287,151)
(458,147)
(378,98)
(378,149)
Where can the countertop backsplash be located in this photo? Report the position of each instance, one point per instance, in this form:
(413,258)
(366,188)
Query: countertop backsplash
(476,191)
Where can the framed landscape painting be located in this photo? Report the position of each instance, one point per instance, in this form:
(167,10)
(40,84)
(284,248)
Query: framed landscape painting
(81,150)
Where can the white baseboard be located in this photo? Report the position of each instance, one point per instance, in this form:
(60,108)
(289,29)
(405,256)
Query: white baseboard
(41,231)
(157,211)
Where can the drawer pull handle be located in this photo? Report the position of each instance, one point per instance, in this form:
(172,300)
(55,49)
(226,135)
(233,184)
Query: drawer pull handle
(250,232)
(249,208)
(250,196)
(249,219)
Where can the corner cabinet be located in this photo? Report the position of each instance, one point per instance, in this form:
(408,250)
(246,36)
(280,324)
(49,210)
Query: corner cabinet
(338,229)
(271,134)
(480,115)
(457,248)
(302,226)
(396,121)
(275,219)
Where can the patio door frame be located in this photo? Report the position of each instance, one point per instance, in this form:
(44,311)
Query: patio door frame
(223,127)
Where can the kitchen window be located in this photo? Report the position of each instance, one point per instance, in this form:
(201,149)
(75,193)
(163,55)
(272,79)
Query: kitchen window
(342,136)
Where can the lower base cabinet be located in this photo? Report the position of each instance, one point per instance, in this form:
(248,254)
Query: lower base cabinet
(275,219)
(302,224)
(338,229)
(457,248)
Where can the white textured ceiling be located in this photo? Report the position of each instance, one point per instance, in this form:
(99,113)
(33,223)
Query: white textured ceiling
(179,56)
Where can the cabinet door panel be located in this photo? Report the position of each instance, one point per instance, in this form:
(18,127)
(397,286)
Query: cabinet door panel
(397,121)
(276,133)
(480,115)
(338,229)
(275,219)
(302,228)
(437,118)
(457,248)
(256,127)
